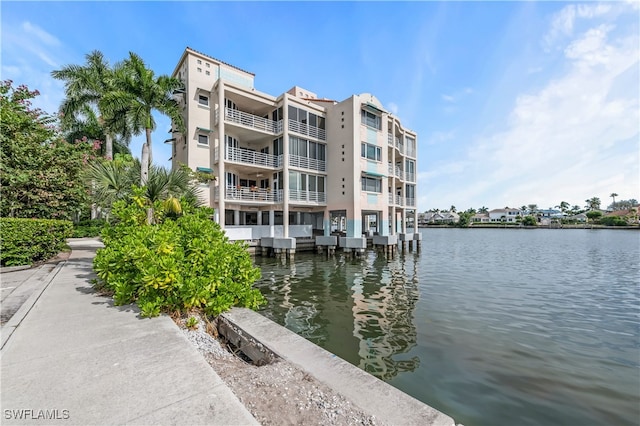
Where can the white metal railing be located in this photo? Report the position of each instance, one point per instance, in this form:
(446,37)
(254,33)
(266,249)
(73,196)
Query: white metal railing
(411,151)
(399,200)
(391,199)
(247,156)
(247,193)
(410,177)
(240,117)
(400,145)
(390,139)
(396,171)
(308,196)
(216,154)
(411,202)
(305,129)
(307,163)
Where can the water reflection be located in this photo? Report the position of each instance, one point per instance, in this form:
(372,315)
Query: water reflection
(362,309)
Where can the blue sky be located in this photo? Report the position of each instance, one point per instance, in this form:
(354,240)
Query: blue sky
(514,102)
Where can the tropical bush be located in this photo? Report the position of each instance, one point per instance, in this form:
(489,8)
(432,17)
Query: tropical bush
(88,228)
(181,261)
(26,241)
(613,221)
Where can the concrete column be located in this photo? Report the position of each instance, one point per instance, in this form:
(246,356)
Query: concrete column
(259,220)
(326,223)
(393,221)
(222,178)
(404,221)
(383,227)
(298,218)
(285,169)
(272,217)
(236,217)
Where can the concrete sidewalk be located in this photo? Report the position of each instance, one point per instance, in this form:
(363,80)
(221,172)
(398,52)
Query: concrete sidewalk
(77,359)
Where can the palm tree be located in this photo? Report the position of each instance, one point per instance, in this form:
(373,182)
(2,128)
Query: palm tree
(111,181)
(563,206)
(613,195)
(452,209)
(532,208)
(138,94)
(593,203)
(483,210)
(85,89)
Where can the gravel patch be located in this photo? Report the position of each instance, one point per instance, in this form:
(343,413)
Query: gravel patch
(279,393)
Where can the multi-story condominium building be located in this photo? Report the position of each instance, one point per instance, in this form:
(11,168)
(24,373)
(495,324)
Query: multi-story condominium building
(294,165)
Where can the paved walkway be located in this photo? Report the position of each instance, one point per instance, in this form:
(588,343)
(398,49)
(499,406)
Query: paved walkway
(74,358)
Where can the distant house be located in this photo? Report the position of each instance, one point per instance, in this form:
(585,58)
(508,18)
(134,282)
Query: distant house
(631,215)
(550,213)
(480,218)
(504,215)
(438,218)
(578,217)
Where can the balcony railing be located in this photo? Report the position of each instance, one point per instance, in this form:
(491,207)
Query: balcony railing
(253,121)
(390,139)
(399,200)
(247,156)
(305,129)
(410,177)
(411,202)
(246,193)
(395,171)
(411,151)
(307,163)
(311,197)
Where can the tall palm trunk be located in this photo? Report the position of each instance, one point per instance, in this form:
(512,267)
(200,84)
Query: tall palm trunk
(144,164)
(108,147)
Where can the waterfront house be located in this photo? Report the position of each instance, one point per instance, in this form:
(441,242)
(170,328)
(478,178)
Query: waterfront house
(504,215)
(291,165)
(480,218)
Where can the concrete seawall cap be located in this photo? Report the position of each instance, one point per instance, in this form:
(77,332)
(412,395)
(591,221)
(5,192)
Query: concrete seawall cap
(370,394)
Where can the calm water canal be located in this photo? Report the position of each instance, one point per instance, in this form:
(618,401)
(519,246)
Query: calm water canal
(491,326)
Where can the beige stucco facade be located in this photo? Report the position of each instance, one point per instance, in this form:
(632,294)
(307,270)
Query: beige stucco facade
(293,159)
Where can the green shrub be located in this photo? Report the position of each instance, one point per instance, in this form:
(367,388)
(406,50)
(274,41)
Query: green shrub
(613,221)
(88,228)
(174,265)
(25,241)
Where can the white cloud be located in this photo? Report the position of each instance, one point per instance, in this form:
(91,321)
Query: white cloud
(44,36)
(448,98)
(439,137)
(574,138)
(563,22)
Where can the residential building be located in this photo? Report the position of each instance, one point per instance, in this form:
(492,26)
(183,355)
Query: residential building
(504,215)
(293,165)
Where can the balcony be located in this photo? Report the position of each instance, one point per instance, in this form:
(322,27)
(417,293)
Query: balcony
(247,156)
(307,163)
(307,197)
(410,177)
(390,139)
(399,200)
(253,121)
(305,129)
(251,194)
(395,171)
(411,202)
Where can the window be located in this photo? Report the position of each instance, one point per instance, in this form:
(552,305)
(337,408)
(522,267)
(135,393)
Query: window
(203,100)
(207,64)
(370,119)
(302,116)
(199,62)
(199,69)
(207,73)
(371,184)
(203,140)
(371,152)
(308,149)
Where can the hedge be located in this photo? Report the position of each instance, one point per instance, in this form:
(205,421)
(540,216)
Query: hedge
(26,241)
